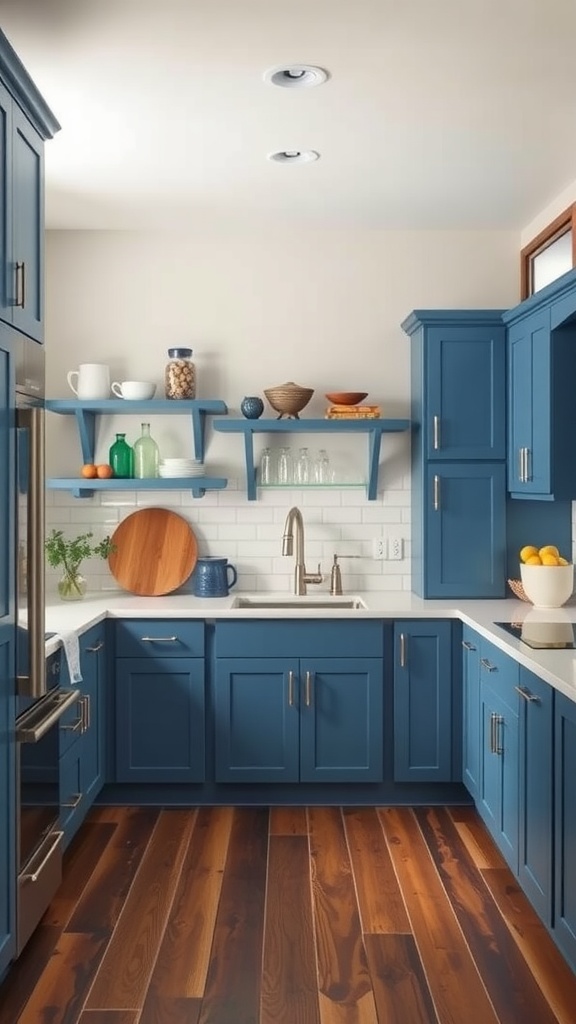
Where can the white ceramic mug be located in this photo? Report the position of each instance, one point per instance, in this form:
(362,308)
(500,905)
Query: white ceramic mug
(90,381)
(136,390)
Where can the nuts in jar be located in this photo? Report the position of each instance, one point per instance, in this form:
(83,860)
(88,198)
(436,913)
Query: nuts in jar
(180,374)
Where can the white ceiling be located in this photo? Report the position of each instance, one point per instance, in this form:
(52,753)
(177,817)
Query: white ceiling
(438,113)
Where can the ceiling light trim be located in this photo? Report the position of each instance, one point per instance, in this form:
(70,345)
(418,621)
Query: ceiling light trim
(294,156)
(296,76)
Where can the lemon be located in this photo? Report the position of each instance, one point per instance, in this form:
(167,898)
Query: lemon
(527,552)
(549,559)
(563,561)
(534,560)
(549,549)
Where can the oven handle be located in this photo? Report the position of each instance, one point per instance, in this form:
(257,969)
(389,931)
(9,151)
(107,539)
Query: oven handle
(32,419)
(29,730)
(33,876)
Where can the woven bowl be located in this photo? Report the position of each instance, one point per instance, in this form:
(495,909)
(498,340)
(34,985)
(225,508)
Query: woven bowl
(288,399)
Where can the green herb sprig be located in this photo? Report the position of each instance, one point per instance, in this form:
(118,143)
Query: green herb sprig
(71,553)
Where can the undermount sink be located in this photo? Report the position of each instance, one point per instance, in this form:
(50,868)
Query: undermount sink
(299,602)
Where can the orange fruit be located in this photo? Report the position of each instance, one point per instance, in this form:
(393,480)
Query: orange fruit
(549,559)
(563,561)
(549,549)
(534,560)
(88,470)
(104,471)
(528,552)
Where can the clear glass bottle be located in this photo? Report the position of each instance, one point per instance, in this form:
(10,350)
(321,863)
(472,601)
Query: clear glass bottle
(304,467)
(285,466)
(322,467)
(180,374)
(121,458)
(266,467)
(146,455)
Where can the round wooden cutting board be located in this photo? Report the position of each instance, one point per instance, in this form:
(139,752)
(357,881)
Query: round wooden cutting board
(156,551)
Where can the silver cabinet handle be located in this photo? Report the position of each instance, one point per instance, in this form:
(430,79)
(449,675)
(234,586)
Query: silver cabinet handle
(521,465)
(20,299)
(33,876)
(97,647)
(74,801)
(468,646)
(436,493)
(88,711)
(308,690)
(79,723)
(499,722)
(436,433)
(530,697)
(159,639)
(487,665)
(290,689)
(527,465)
(402,650)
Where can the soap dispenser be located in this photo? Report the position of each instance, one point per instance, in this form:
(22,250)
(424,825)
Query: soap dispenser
(335,578)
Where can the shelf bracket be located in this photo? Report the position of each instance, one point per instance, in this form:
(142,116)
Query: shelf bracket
(374,439)
(250,467)
(86,423)
(198,430)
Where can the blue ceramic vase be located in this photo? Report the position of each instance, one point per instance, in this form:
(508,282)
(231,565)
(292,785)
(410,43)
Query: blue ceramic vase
(252,407)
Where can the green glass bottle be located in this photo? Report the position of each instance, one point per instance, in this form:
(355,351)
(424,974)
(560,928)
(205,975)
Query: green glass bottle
(121,458)
(146,455)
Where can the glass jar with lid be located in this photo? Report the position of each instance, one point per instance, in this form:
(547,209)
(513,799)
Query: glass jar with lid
(180,374)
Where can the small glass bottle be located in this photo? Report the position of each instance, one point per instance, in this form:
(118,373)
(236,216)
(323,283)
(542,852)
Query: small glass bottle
(121,458)
(180,374)
(303,467)
(146,455)
(322,467)
(266,467)
(285,468)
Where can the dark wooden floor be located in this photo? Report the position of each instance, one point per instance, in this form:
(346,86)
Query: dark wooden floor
(288,916)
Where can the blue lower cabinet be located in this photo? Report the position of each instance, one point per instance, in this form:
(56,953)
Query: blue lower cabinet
(306,720)
(498,797)
(536,792)
(471,710)
(565,826)
(160,720)
(73,799)
(93,686)
(423,706)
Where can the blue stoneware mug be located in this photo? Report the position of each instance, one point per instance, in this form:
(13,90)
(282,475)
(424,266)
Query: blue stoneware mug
(213,577)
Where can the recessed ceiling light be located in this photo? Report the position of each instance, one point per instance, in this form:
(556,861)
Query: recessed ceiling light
(296,76)
(294,156)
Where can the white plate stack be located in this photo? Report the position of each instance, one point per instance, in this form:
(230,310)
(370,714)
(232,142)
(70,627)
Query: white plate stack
(171,468)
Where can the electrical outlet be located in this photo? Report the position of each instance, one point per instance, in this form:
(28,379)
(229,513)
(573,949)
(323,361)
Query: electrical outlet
(395,548)
(379,547)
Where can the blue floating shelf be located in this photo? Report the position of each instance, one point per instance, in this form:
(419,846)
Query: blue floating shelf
(374,428)
(84,487)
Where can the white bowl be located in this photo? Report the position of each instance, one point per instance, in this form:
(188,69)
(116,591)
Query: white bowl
(134,390)
(547,586)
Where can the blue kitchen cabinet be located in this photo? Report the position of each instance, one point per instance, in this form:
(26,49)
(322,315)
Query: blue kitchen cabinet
(160,700)
(25,123)
(535,780)
(471,710)
(565,826)
(309,708)
(498,795)
(458,453)
(463,529)
(541,409)
(423,701)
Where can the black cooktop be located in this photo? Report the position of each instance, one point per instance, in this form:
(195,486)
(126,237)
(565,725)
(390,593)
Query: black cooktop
(556,636)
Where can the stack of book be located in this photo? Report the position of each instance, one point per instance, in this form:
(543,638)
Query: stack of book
(353,412)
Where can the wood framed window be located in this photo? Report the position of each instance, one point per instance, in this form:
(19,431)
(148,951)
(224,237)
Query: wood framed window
(549,255)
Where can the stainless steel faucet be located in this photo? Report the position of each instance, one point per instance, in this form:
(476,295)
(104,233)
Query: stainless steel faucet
(295,525)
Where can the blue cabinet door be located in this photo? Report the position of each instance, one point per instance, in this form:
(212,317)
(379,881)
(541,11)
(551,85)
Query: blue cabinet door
(257,706)
(423,701)
(499,794)
(341,720)
(160,720)
(565,826)
(6,264)
(465,529)
(470,710)
(536,792)
(465,374)
(93,666)
(529,379)
(27,225)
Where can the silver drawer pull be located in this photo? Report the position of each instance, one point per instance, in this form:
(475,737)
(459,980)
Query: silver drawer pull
(436,432)
(308,689)
(159,639)
(436,493)
(74,801)
(402,650)
(33,876)
(468,646)
(530,697)
(488,665)
(290,688)
(97,647)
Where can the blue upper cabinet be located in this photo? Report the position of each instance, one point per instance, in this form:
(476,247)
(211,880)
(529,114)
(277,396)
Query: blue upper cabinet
(458,389)
(25,123)
(541,381)
(458,365)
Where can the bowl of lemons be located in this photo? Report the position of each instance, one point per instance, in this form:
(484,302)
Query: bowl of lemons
(547,577)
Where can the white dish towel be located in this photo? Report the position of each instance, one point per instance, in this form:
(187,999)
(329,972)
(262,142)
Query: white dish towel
(71,648)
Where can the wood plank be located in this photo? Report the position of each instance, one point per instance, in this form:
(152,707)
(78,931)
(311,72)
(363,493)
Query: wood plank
(123,976)
(400,987)
(288,821)
(25,972)
(110,1017)
(289,992)
(102,901)
(513,991)
(232,994)
(553,975)
(382,908)
(179,977)
(455,984)
(476,837)
(80,860)
(343,976)
(59,995)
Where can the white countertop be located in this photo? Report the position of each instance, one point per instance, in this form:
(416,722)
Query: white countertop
(557,667)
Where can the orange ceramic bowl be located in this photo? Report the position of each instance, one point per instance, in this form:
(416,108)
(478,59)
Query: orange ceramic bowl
(346,397)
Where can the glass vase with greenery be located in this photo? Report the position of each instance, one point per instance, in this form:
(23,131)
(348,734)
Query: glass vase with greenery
(69,554)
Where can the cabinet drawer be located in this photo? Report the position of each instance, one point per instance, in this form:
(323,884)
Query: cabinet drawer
(165,638)
(501,673)
(318,638)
